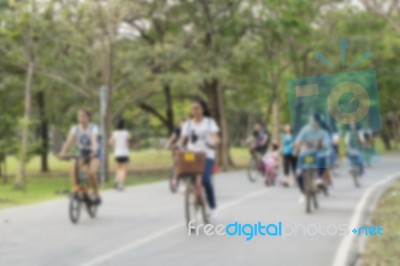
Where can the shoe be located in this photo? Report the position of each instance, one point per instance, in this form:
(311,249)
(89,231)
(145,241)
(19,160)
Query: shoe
(302,199)
(213,216)
(97,200)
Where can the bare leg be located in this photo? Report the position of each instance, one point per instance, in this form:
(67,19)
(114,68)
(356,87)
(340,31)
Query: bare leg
(93,168)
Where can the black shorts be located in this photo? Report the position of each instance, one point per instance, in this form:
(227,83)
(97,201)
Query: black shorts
(122,159)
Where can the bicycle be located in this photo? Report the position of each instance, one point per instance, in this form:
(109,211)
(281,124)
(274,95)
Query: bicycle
(308,163)
(173,181)
(255,169)
(195,200)
(355,170)
(81,195)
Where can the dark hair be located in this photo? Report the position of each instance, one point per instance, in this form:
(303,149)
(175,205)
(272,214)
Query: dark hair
(261,123)
(204,106)
(121,124)
(275,146)
(87,112)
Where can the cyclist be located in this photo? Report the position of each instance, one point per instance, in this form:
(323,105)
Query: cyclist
(200,133)
(353,144)
(85,133)
(176,134)
(120,140)
(367,141)
(312,137)
(261,140)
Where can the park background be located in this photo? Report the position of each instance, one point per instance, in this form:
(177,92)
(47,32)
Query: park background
(153,57)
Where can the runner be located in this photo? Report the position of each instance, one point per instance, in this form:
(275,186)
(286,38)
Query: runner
(119,140)
(85,133)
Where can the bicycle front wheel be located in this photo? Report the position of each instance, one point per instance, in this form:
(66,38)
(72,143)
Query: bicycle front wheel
(195,205)
(309,190)
(74,207)
(253,170)
(91,208)
(355,173)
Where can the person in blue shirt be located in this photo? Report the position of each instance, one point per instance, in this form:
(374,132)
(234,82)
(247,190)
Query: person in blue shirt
(289,158)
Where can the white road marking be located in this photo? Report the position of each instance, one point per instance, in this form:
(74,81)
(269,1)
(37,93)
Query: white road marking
(342,253)
(103,258)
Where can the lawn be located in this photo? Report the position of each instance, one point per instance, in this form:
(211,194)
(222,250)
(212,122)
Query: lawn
(140,160)
(384,250)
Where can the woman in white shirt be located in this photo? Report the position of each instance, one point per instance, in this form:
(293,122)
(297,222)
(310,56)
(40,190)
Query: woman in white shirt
(201,135)
(119,140)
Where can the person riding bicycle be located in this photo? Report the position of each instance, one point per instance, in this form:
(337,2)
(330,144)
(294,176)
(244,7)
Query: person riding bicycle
(367,142)
(353,143)
(312,137)
(170,144)
(175,135)
(261,140)
(200,133)
(85,133)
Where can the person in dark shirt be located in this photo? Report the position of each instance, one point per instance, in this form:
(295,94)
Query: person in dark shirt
(175,135)
(261,140)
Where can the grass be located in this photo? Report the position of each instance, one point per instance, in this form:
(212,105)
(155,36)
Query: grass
(384,250)
(140,159)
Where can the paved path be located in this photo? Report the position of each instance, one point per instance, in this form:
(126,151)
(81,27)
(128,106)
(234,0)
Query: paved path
(144,226)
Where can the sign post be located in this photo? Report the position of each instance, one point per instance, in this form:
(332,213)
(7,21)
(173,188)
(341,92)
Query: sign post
(103,129)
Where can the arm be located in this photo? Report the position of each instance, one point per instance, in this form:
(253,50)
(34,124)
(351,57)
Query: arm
(215,140)
(171,139)
(95,144)
(111,141)
(67,144)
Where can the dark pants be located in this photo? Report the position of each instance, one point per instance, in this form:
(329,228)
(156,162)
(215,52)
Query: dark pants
(207,182)
(289,162)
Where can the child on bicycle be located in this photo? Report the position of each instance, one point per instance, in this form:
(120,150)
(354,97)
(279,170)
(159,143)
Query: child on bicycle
(271,164)
(85,134)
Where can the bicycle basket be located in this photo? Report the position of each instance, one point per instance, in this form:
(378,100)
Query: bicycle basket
(189,163)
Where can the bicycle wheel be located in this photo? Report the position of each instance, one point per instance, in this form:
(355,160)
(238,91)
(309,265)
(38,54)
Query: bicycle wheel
(194,203)
(173,181)
(90,207)
(308,190)
(355,174)
(253,171)
(74,207)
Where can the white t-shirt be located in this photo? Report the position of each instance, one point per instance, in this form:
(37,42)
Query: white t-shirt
(202,132)
(121,143)
(84,136)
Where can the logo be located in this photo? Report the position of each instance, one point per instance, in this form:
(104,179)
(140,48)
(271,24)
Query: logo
(249,231)
(342,99)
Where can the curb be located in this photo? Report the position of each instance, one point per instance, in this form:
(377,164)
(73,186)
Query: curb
(351,248)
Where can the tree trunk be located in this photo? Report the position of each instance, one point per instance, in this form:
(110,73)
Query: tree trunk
(21,174)
(169,111)
(215,96)
(276,122)
(44,132)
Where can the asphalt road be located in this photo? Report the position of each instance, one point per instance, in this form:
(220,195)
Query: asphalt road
(144,226)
